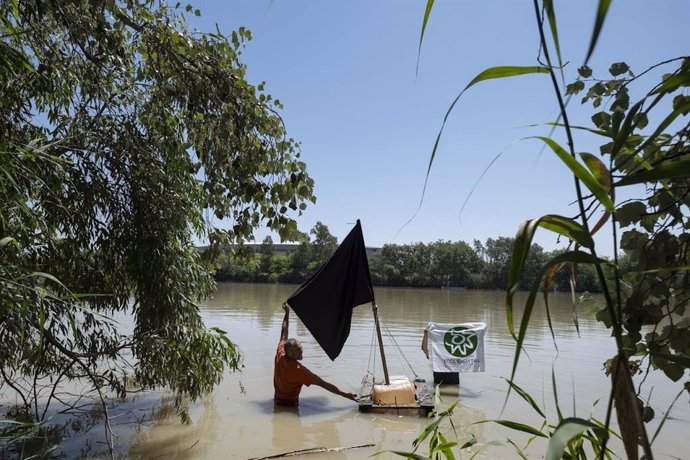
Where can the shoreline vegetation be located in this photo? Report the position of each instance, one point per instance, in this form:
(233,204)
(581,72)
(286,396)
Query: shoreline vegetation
(441,264)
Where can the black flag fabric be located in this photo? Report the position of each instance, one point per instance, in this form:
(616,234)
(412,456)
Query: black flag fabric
(325,301)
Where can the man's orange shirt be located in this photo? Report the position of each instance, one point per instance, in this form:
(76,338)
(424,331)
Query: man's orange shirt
(288,377)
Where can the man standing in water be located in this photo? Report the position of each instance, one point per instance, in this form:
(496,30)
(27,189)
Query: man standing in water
(289,375)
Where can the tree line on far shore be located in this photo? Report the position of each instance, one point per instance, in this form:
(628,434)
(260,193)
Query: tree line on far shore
(450,264)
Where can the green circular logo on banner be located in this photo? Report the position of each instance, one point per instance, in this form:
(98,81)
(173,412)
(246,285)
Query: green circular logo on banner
(460,341)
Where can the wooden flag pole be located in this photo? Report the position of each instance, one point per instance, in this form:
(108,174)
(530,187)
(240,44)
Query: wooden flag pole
(378,334)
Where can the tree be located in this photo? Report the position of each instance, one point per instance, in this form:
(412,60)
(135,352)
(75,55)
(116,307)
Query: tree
(585,275)
(402,265)
(266,259)
(123,135)
(532,268)
(280,268)
(417,263)
(497,254)
(453,263)
(299,263)
(385,266)
(322,247)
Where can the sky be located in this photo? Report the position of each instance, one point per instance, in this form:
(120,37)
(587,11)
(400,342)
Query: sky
(367,117)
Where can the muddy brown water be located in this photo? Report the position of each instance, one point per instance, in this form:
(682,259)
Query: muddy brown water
(238,420)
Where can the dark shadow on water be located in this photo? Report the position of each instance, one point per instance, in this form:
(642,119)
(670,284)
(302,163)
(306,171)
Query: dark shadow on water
(451,392)
(309,405)
(265,406)
(277,409)
(313,405)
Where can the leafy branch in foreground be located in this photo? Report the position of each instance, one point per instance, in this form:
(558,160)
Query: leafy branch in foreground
(439,446)
(570,437)
(124,139)
(645,301)
(637,296)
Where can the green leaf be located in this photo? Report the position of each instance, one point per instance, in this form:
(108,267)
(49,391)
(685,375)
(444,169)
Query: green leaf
(680,101)
(551,15)
(506,71)
(520,427)
(602,10)
(673,82)
(470,443)
(630,213)
(582,128)
(626,129)
(80,296)
(427,430)
(446,448)
(604,316)
(427,13)
(487,74)
(518,451)
(523,240)
(47,276)
(664,170)
(602,120)
(524,395)
(581,173)
(680,110)
(640,121)
(584,71)
(574,87)
(42,320)
(7,240)
(617,118)
(565,431)
(407,455)
(449,410)
(567,227)
(577,257)
(555,392)
(674,371)
(674,268)
(618,68)
(599,170)
(675,358)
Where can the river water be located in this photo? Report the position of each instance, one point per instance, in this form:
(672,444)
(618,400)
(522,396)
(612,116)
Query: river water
(238,420)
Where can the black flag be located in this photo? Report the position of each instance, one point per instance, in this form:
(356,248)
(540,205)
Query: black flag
(325,301)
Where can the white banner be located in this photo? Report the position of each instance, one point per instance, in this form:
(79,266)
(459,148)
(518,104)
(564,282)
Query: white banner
(456,347)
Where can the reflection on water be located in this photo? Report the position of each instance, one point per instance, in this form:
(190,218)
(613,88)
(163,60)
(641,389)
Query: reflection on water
(237,424)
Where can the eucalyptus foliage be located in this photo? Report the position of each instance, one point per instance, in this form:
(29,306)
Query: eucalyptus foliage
(126,138)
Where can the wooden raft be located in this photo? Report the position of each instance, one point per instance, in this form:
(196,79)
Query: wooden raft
(422,406)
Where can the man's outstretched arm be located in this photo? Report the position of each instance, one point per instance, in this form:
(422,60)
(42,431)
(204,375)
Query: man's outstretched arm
(284,328)
(334,389)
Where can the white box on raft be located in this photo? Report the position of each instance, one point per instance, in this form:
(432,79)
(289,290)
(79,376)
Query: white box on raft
(400,392)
